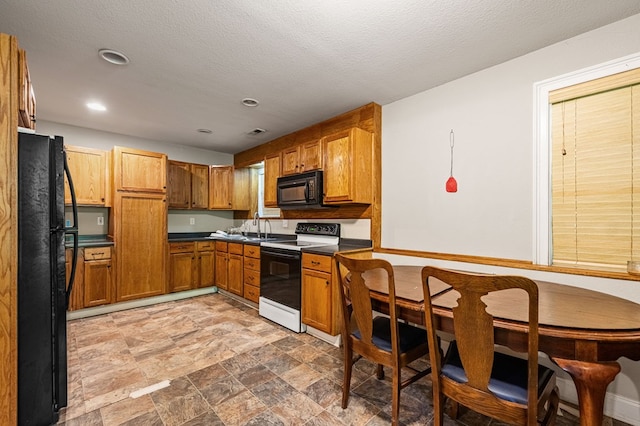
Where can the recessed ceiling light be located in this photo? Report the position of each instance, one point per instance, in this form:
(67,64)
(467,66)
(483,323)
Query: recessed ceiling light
(207,131)
(249,102)
(96,106)
(113,56)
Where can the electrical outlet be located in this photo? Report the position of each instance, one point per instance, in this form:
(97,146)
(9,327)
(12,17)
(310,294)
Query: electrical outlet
(100,220)
(192,221)
(285,223)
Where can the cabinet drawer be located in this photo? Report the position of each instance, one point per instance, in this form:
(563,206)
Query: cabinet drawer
(235,248)
(97,253)
(186,247)
(205,245)
(221,246)
(251,251)
(252,263)
(317,262)
(252,293)
(252,277)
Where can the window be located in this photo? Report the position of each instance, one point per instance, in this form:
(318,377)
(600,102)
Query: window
(592,170)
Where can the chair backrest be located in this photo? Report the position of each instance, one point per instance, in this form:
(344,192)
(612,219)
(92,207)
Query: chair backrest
(474,330)
(356,297)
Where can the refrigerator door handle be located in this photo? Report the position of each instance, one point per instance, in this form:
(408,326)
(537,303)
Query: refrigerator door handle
(73,231)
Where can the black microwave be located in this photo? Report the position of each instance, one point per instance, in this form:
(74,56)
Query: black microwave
(301,191)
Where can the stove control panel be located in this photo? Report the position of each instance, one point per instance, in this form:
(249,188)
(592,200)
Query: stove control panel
(328,229)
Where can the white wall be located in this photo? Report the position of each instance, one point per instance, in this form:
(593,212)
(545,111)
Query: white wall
(491,113)
(81,136)
(178,220)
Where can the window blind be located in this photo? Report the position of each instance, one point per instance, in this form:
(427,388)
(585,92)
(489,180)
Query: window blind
(595,172)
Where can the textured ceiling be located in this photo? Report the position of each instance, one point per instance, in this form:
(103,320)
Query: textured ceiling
(193,61)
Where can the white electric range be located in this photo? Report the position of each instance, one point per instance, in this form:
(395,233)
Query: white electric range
(281,271)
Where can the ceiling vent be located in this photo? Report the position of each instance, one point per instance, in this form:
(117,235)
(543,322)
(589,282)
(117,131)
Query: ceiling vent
(256,131)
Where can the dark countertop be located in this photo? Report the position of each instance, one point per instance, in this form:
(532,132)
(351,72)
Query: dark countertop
(89,241)
(345,244)
(176,237)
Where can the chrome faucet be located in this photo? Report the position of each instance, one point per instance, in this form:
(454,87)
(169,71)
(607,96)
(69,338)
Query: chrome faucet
(256,221)
(266,234)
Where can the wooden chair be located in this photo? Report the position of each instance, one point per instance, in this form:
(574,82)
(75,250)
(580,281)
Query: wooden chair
(382,340)
(507,388)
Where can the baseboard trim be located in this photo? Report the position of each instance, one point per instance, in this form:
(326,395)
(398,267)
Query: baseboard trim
(121,306)
(615,406)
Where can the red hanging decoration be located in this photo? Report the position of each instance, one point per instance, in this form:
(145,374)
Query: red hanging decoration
(451,185)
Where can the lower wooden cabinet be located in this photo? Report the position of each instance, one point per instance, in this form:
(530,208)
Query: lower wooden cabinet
(320,304)
(93,284)
(251,290)
(205,263)
(76,299)
(182,264)
(98,279)
(222,260)
(229,267)
(235,269)
(191,265)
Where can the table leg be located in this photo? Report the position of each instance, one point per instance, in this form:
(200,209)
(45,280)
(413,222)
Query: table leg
(591,380)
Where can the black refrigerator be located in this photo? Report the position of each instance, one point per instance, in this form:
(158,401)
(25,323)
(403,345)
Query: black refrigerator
(43,291)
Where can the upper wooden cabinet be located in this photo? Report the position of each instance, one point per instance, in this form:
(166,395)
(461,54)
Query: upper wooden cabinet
(199,186)
(229,188)
(271,175)
(178,185)
(302,158)
(188,185)
(348,167)
(139,171)
(89,170)
(26,95)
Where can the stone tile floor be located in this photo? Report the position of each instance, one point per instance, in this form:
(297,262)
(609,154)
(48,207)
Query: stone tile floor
(225,365)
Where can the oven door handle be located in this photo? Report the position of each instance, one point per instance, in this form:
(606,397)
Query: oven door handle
(279,254)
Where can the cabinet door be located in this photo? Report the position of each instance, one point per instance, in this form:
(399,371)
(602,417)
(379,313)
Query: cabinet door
(179,185)
(206,268)
(139,171)
(199,186)
(26,95)
(271,175)
(76,300)
(317,300)
(291,160)
(141,237)
(311,156)
(235,274)
(88,168)
(97,283)
(220,187)
(348,164)
(181,271)
(222,260)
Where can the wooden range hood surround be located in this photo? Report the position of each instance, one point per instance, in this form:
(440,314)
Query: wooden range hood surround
(367,117)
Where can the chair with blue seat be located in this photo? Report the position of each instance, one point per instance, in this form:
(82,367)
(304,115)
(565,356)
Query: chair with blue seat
(504,387)
(382,340)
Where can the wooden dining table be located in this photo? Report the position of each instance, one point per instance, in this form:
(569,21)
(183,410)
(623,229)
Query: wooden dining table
(583,331)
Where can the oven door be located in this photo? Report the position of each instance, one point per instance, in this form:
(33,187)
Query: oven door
(280,280)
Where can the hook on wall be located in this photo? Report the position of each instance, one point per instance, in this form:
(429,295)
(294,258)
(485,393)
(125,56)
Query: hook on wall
(451,185)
